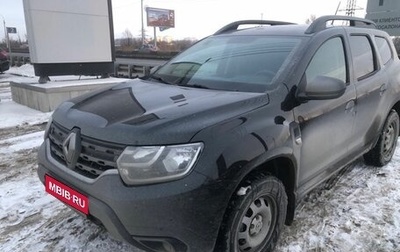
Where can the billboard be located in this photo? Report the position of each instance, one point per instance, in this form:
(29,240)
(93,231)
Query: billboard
(386,15)
(11,30)
(160,17)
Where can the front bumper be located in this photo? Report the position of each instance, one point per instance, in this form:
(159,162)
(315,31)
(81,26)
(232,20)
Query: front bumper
(182,215)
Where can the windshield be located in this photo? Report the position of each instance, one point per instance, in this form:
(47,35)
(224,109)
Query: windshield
(233,63)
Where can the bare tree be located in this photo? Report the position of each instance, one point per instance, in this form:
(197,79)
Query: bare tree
(311,19)
(127,38)
(396,42)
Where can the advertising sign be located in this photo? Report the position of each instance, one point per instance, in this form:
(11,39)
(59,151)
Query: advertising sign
(160,17)
(11,30)
(386,15)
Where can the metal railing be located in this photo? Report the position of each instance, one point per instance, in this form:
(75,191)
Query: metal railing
(126,66)
(130,70)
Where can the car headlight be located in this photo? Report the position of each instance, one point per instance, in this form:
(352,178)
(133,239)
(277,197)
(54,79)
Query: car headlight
(154,164)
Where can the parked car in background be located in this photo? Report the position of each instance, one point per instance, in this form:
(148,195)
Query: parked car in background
(213,150)
(4,60)
(148,48)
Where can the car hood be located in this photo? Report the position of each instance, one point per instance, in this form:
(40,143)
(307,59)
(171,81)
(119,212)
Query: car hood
(145,113)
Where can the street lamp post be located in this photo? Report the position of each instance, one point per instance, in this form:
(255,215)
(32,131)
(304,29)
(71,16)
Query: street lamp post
(5,29)
(141,6)
(7,39)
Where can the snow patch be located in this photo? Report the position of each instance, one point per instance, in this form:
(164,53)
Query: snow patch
(358,211)
(25,142)
(24,70)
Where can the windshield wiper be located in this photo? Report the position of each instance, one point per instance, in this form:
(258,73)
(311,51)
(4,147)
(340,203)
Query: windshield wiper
(199,86)
(186,62)
(195,86)
(159,79)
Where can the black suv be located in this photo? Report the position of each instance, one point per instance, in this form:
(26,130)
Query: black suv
(214,149)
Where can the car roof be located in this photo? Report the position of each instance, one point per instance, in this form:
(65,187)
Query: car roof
(277,28)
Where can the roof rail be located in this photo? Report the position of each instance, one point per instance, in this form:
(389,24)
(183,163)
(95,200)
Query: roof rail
(320,23)
(235,25)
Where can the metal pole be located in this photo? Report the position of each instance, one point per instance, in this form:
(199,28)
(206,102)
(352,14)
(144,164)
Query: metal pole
(155,37)
(7,38)
(9,49)
(6,35)
(5,29)
(141,6)
(337,9)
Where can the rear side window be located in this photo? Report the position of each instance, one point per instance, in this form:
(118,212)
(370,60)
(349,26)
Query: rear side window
(328,61)
(383,49)
(363,57)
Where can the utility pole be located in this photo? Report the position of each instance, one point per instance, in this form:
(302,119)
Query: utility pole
(141,6)
(155,37)
(5,30)
(6,37)
(350,8)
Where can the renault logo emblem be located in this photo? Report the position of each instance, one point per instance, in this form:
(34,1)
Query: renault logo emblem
(72,148)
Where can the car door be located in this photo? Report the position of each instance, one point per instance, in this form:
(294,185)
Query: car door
(326,125)
(371,85)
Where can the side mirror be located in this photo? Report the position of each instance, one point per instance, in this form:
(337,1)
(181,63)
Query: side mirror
(321,88)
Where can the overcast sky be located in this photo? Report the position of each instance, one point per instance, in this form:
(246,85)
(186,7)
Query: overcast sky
(194,18)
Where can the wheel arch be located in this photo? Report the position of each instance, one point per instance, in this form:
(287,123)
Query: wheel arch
(284,169)
(396,107)
(281,167)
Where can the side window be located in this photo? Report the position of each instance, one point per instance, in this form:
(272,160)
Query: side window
(328,61)
(363,57)
(384,49)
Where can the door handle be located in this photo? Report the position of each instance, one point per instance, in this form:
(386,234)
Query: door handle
(297,134)
(383,89)
(350,106)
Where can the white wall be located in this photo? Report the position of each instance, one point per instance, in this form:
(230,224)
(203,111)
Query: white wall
(68,31)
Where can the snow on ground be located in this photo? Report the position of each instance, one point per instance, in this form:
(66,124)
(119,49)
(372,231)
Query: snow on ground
(26,74)
(359,210)
(22,73)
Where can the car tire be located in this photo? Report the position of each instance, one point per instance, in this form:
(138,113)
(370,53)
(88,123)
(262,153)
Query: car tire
(255,216)
(384,149)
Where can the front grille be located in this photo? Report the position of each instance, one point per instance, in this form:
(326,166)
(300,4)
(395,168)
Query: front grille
(95,157)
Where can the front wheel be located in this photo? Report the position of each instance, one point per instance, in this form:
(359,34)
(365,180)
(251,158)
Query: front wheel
(255,217)
(384,149)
